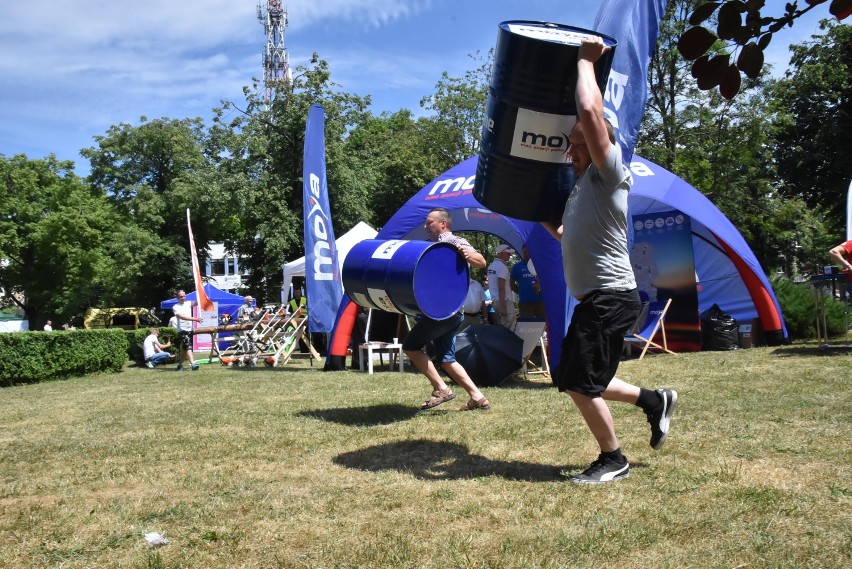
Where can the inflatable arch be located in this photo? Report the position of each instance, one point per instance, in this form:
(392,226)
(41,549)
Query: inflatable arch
(728,273)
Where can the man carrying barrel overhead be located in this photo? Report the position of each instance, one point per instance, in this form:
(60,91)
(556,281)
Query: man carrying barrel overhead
(442,333)
(598,273)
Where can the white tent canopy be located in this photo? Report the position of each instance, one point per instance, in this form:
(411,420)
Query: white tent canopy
(344,243)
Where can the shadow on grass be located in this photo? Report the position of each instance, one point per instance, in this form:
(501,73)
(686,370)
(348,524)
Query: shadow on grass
(815,350)
(512,383)
(431,460)
(364,416)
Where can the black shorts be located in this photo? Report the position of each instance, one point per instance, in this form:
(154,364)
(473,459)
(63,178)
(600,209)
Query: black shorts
(184,340)
(592,347)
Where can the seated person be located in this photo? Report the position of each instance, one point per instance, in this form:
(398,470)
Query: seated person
(154,352)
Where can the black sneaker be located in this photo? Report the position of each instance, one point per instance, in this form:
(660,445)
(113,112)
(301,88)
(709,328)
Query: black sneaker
(660,418)
(601,471)
(179,367)
(194,367)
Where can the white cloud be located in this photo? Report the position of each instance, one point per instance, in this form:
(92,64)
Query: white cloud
(307,13)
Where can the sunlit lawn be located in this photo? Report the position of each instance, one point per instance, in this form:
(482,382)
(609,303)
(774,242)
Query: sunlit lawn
(295,467)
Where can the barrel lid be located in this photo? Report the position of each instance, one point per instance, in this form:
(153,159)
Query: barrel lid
(555,33)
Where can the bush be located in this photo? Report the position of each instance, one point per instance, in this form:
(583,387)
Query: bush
(29,357)
(797,304)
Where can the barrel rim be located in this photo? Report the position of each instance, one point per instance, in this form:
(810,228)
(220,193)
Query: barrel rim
(608,40)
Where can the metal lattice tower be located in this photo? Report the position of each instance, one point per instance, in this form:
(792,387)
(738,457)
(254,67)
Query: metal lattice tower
(276,67)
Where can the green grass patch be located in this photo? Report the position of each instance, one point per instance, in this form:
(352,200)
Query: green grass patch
(295,467)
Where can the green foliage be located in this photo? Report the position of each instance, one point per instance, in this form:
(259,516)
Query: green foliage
(727,150)
(459,107)
(741,31)
(30,357)
(152,173)
(813,103)
(259,156)
(54,235)
(797,305)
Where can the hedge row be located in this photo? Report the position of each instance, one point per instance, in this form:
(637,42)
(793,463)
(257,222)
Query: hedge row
(30,357)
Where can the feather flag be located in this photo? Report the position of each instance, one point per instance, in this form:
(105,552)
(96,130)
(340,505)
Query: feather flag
(635,25)
(203,301)
(322,273)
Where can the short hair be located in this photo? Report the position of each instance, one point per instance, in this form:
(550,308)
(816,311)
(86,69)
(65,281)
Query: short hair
(610,130)
(443,215)
(153,330)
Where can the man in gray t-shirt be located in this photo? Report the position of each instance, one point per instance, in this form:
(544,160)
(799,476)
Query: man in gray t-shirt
(598,273)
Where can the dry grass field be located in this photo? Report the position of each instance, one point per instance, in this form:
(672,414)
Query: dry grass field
(293,467)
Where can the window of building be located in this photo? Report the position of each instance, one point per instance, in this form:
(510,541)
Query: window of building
(217,267)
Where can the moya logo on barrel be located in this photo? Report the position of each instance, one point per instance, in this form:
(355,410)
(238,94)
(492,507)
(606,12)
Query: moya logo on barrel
(523,170)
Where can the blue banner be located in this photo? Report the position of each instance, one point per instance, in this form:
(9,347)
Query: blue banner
(322,273)
(635,25)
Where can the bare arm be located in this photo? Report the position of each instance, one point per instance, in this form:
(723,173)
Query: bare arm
(838,254)
(474,258)
(589,99)
(554,230)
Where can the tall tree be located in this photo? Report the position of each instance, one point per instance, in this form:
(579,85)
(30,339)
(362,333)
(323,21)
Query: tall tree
(672,99)
(814,116)
(54,235)
(258,153)
(458,105)
(152,173)
(723,148)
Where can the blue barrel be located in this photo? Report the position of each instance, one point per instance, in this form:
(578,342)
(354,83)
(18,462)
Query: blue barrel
(409,277)
(523,170)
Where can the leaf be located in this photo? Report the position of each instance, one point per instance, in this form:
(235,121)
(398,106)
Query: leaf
(840,9)
(750,60)
(713,73)
(698,66)
(730,21)
(742,35)
(695,42)
(703,12)
(764,40)
(730,85)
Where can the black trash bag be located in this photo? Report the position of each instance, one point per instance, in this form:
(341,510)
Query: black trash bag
(718,330)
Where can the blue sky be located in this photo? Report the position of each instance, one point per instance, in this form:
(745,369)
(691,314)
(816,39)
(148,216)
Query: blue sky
(70,70)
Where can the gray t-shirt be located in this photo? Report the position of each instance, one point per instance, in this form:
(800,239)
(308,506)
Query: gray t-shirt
(594,229)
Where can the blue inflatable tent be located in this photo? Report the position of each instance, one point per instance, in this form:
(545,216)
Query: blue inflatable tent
(727,271)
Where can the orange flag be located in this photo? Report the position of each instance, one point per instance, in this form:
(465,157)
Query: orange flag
(205,303)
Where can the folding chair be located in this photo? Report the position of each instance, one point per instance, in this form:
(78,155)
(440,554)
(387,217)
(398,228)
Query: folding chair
(651,320)
(531,331)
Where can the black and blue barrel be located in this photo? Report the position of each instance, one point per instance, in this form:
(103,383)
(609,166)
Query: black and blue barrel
(408,277)
(523,171)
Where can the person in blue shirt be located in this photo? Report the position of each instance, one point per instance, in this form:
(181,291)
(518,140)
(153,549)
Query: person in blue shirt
(489,305)
(525,284)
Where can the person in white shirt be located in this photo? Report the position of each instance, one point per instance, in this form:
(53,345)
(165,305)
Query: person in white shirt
(499,284)
(183,313)
(49,326)
(154,352)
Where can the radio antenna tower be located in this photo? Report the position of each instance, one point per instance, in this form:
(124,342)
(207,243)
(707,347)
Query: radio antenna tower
(276,67)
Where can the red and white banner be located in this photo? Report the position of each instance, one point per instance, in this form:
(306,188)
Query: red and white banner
(203,302)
